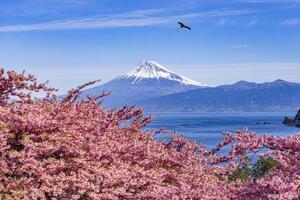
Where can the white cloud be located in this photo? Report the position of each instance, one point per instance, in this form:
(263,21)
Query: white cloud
(263,1)
(291,22)
(87,23)
(129,19)
(41,7)
(240,46)
(237,22)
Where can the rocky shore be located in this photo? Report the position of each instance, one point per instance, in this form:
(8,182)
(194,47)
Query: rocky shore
(292,122)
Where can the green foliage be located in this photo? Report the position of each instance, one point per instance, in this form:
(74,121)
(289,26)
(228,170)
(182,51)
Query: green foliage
(259,169)
(262,167)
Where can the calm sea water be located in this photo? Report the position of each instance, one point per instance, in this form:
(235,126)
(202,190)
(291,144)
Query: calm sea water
(207,128)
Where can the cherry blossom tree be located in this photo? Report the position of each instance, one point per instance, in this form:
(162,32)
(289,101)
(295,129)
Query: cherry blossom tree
(73,148)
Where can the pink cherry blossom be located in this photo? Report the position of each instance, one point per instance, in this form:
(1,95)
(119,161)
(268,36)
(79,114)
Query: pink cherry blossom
(75,149)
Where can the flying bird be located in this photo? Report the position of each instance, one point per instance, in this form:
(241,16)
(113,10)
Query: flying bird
(182,25)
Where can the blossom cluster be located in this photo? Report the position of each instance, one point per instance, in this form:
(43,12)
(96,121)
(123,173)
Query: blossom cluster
(73,148)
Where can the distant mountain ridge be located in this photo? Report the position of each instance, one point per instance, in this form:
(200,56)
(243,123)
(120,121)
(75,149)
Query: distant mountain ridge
(242,96)
(148,80)
(157,89)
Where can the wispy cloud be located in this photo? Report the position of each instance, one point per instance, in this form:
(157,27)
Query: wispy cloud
(129,19)
(240,46)
(237,22)
(263,1)
(38,7)
(291,22)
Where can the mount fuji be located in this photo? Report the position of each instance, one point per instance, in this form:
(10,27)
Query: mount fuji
(148,80)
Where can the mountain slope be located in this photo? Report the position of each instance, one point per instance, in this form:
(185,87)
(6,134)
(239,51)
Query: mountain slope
(242,96)
(147,80)
(153,70)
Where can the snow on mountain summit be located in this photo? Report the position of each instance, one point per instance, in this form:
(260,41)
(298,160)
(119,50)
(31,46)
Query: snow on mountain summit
(152,70)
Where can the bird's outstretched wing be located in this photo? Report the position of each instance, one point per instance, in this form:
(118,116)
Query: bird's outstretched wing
(182,25)
(188,27)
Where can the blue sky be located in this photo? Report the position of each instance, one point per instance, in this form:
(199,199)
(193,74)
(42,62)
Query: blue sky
(69,42)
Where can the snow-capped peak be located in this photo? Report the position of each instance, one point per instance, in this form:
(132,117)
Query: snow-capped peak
(151,69)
